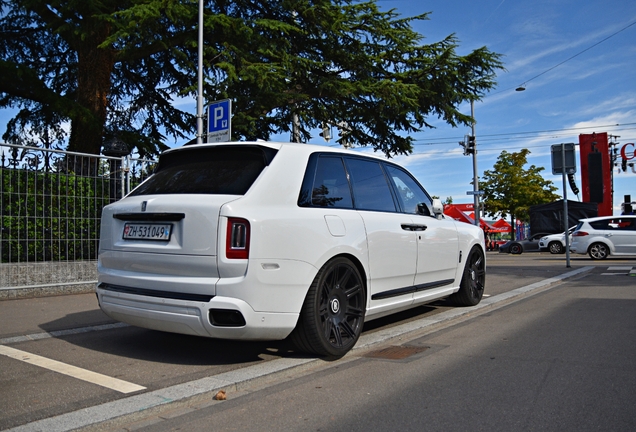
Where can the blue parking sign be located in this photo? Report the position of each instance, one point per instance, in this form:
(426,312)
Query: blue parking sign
(219,121)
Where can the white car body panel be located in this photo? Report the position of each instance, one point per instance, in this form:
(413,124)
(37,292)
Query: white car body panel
(172,285)
(618,241)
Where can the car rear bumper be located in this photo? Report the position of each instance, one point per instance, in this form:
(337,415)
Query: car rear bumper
(193,317)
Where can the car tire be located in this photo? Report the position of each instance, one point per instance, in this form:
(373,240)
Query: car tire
(471,287)
(516,249)
(332,315)
(598,251)
(556,247)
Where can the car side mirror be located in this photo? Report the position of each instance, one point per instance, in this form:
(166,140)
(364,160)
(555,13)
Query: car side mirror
(438,208)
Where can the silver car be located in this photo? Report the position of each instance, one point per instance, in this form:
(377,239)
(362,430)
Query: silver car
(606,235)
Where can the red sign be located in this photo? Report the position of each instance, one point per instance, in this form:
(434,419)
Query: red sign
(628,152)
(596,171)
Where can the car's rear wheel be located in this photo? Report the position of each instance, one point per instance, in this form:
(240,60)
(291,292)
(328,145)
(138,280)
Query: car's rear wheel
(471,287)
(332,316)
(556,247)
(516,249)
(598,251)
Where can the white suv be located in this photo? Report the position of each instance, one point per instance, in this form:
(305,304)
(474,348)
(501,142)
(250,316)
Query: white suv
(606,235)
(259,240)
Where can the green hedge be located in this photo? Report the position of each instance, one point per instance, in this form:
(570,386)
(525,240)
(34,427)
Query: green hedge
(50,216)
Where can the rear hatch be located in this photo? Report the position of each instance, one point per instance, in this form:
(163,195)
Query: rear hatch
(168,225)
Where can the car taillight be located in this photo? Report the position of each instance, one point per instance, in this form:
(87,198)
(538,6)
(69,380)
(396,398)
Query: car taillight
(237,242)
(579,234)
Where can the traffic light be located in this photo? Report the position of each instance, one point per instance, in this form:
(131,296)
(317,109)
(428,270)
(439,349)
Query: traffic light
(470,145)
(624,165)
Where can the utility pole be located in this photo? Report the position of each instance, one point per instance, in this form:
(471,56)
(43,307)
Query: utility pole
(475,176)
(470,148)
(200,73)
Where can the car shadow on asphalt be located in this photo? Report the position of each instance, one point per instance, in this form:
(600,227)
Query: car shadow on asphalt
(171,348)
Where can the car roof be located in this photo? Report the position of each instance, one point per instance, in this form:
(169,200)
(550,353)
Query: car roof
(594,219)
(308,148)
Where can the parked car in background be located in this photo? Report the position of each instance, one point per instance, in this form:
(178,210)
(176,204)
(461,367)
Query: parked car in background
(555,243)
(603,236)
(259,240)
(515,247)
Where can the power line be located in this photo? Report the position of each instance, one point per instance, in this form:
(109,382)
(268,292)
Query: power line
(566,60)
(512,135)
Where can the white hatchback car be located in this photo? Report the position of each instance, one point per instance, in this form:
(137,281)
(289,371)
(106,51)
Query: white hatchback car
(555,243)
(605,235)
(259,240)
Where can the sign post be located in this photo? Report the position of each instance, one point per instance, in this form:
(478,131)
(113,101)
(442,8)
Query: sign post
(220,121)
(564,162)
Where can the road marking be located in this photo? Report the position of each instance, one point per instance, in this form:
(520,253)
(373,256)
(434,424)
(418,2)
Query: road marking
(72,371)
(60,333)
(625,271)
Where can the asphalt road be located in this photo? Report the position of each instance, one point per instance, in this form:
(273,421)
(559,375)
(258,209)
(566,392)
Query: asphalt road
(559,359)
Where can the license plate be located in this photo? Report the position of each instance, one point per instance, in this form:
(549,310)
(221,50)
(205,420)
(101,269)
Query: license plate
(147,231)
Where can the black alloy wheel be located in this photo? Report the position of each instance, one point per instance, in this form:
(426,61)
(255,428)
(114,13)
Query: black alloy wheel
(516,249)
(332,316)
(473,283)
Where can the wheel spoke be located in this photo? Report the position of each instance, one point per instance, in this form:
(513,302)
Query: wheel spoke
(353,290)
(346,327)
(328,328)
(353,311)
(324,308)
(344,278)
(337,336)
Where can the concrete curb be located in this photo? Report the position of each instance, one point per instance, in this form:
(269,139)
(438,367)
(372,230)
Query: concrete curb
(241,377)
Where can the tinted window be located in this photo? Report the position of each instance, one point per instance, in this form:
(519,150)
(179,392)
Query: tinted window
(331,187)
(410,193)
(224,170)
(600,224)
(370,187)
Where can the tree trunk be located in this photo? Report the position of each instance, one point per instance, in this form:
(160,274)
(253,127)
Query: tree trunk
(95,66)
(512,227)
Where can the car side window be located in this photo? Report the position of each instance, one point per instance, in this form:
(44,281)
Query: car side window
(331,187)
(601,224)
(371,190)
(410,194)
(627,224)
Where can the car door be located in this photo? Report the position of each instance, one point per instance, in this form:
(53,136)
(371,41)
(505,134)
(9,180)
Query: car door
(437,239)
(623,236)
(392,243)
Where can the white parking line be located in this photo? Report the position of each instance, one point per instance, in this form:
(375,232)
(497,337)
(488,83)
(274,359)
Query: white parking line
(72,371)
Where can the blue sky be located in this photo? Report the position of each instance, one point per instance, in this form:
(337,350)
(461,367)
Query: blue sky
(595,91)
(592,92)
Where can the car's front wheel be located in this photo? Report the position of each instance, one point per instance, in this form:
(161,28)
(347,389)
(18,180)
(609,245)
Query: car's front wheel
(471,287)
(332,316)
(516,249)
(598,251)
(556,247)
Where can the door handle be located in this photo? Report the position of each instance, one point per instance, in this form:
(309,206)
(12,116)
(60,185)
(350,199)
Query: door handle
(414,227)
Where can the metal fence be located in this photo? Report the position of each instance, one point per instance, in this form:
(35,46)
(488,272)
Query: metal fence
(50,209)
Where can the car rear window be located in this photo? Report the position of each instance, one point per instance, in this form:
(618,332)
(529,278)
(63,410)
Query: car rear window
(219,170)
